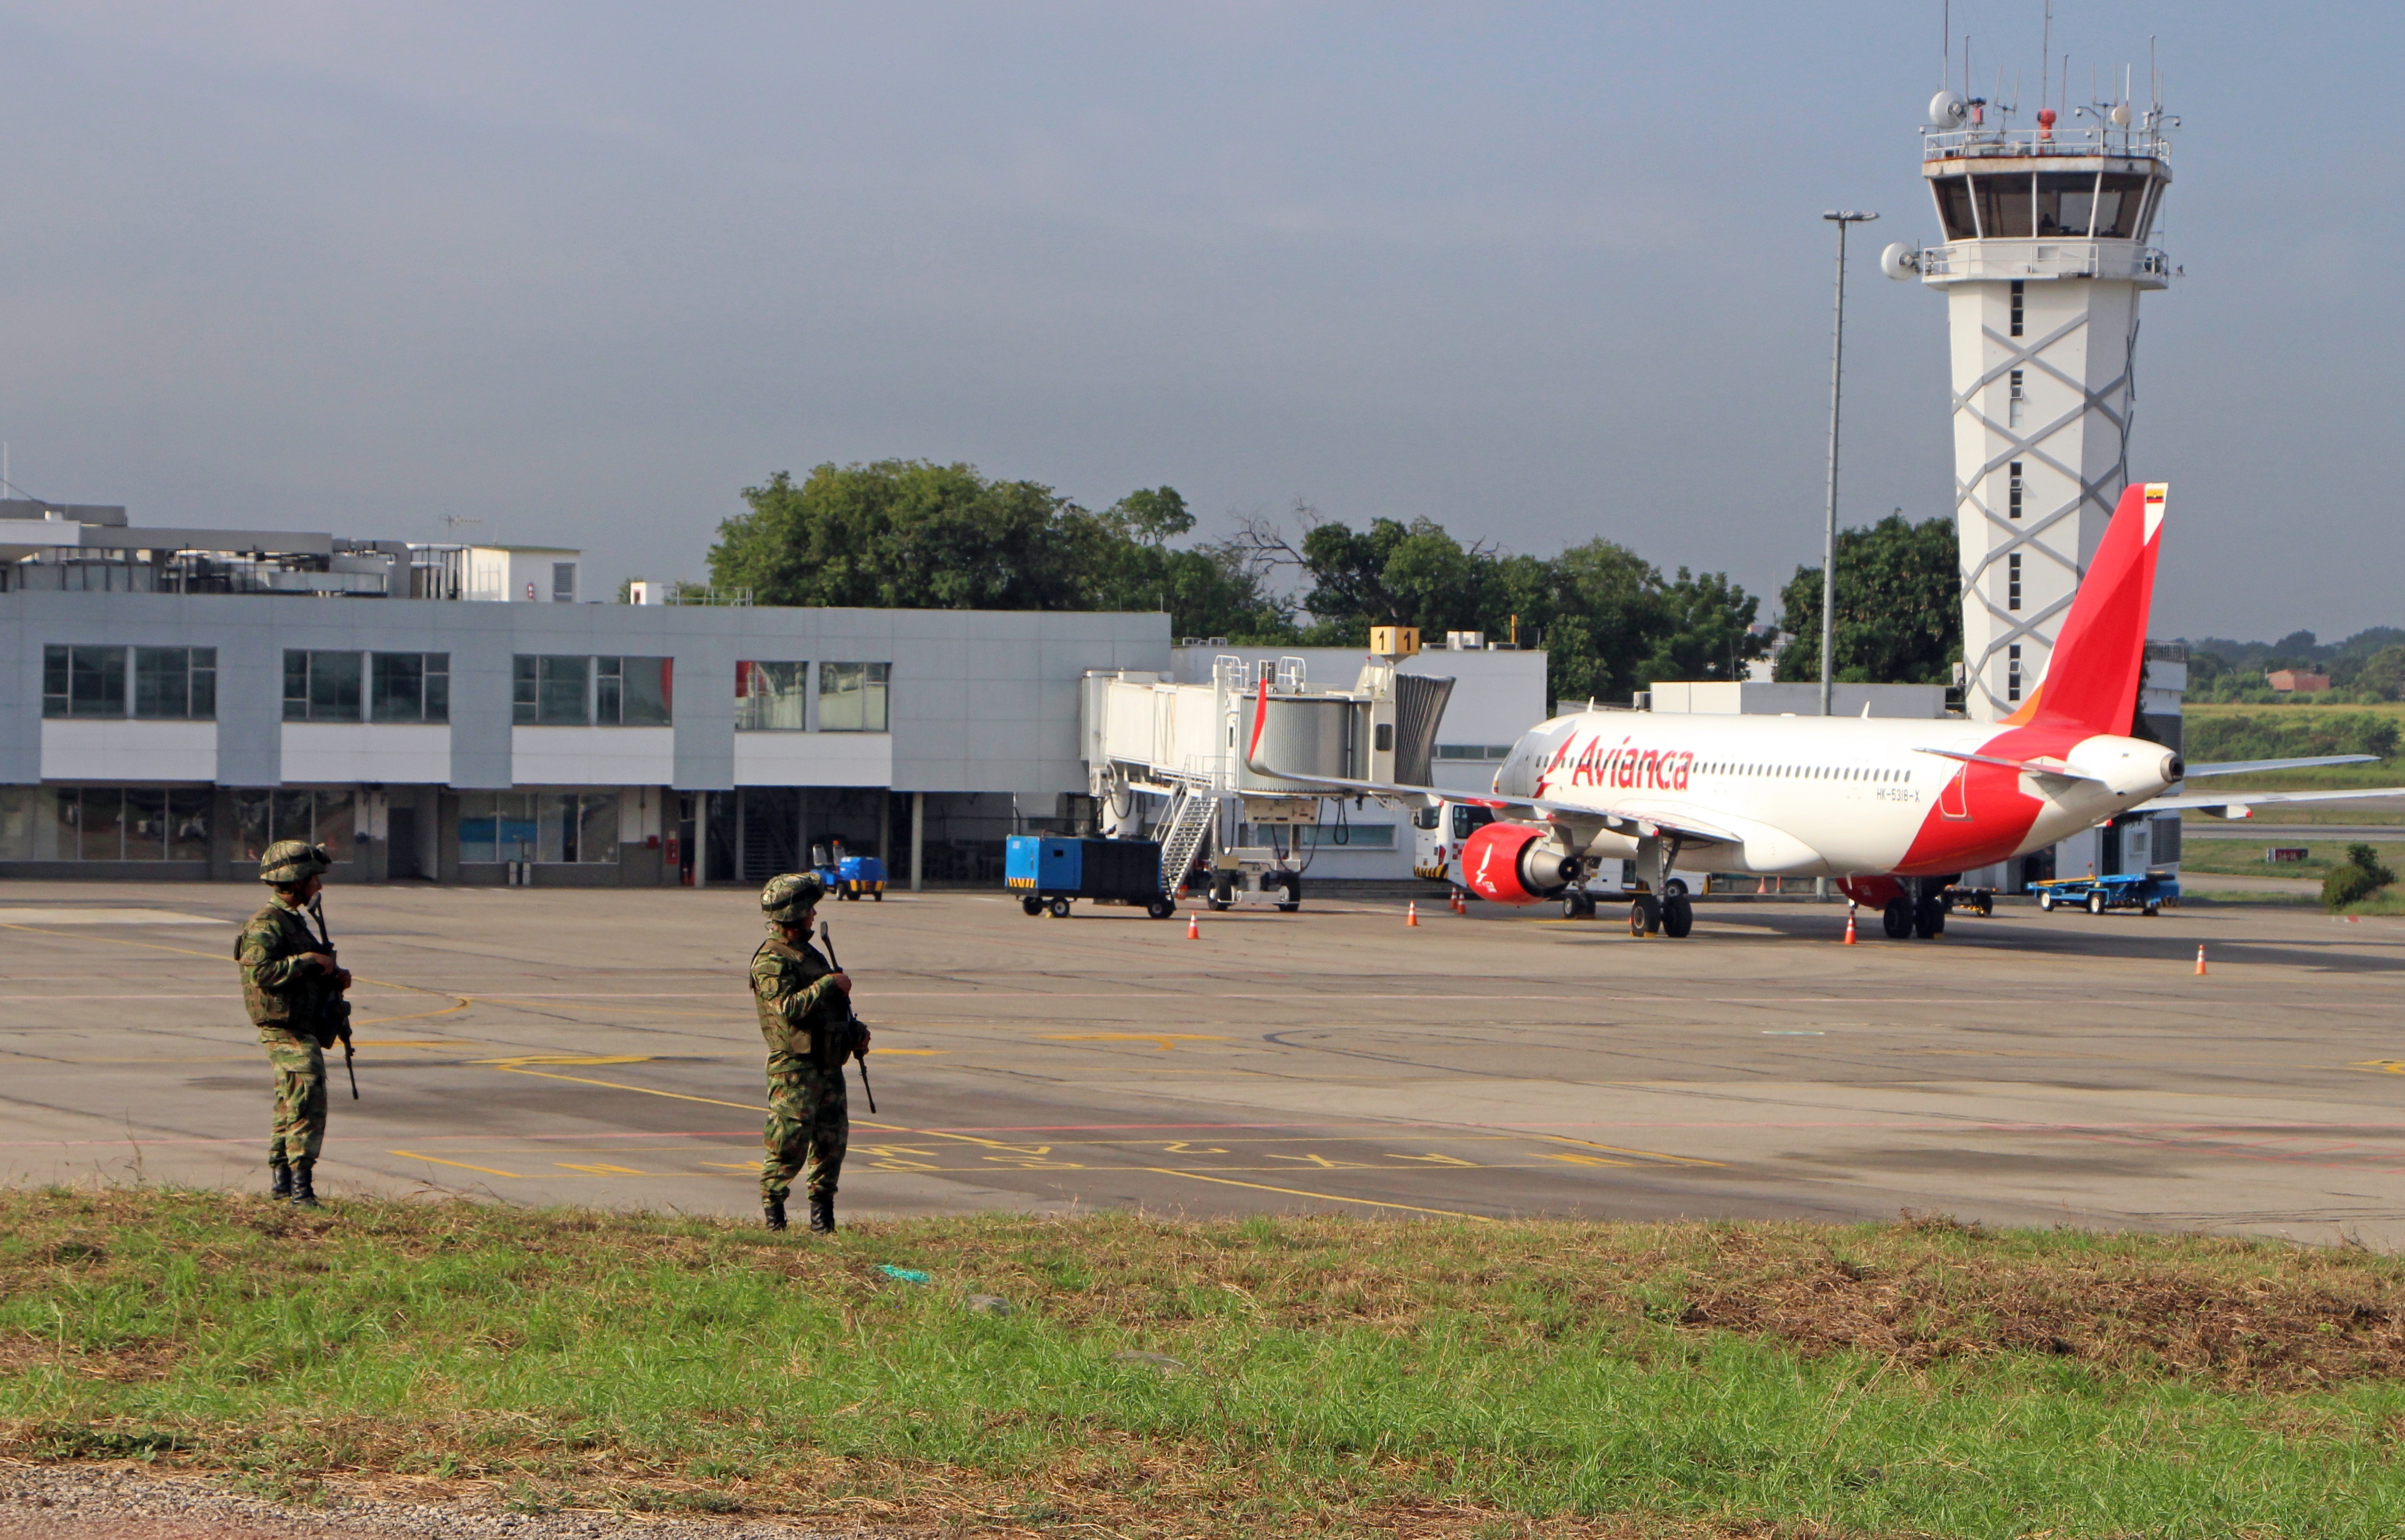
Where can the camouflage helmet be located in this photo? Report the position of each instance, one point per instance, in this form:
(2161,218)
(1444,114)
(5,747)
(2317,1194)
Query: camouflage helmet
(788,897)
(289,862)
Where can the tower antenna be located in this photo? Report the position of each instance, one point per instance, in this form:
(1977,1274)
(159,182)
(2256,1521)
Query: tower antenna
(1946,68)
(2045,52)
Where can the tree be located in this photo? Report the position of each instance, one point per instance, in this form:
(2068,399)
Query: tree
(1899,617)
(1609,623)
(2382,677)
(912,535)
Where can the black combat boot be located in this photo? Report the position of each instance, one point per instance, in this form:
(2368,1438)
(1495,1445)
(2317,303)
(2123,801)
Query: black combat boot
(822,1213)
(773,1210)
(283,1177)
(304,1195)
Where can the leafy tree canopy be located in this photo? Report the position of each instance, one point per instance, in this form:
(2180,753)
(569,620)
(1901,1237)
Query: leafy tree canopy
(912,535)
(1898,613)
(1608,620)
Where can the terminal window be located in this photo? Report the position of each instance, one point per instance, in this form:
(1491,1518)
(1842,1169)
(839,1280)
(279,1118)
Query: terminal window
(324,686)
(2013,489)
(2013,580)
(83,681)
(2013,672)
(549,827)
(175,684)
(2015,400)
(1473,750)
(632,692)
(853,697)
(261,818)
(409,687)
(550,691)
(104,823)
(771,697)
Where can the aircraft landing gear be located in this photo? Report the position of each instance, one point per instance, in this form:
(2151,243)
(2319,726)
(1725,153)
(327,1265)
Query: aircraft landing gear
(1645,915)
(1578,905)
(1897,918)
(1673,914)
(1928,919)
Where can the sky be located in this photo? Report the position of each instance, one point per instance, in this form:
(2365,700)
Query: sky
(1540,272)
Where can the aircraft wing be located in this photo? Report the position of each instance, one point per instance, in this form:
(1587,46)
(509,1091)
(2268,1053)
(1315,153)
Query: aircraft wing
(2240,805)
(2031,767)
(2240,767)
(1689,831)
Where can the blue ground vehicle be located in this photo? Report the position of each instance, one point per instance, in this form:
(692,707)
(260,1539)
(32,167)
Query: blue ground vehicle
(850,876)
(2145,891)
(1047,871)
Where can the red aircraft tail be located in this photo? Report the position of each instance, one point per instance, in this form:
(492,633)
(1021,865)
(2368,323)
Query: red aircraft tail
(2091,683)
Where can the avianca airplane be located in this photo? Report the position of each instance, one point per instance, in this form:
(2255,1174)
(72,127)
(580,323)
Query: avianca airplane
(1894,810)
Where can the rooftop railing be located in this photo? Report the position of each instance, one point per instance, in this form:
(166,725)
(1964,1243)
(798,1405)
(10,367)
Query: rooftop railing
(2127,143)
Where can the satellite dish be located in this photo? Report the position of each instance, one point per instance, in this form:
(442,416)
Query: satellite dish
(2121,114)
(1947,111)
(1900,261)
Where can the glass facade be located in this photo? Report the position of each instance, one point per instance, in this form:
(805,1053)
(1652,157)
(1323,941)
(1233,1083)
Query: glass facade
(410,687)
(853,697)
(324,686)
(551,827)
(771,697)
(632,692)
(550,691)
(83,681)
(84,823)
(327,818)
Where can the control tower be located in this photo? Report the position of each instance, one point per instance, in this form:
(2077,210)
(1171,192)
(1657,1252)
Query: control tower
(2046,248)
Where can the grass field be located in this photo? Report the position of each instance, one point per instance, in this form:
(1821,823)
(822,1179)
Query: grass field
(2244,859)
(1315,1376)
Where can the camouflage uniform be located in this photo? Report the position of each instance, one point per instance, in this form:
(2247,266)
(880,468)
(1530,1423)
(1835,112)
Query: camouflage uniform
(805,1021)
(286,998)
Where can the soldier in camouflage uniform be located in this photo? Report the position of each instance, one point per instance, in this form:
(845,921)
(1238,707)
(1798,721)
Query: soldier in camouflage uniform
(805,1016)
(287,981)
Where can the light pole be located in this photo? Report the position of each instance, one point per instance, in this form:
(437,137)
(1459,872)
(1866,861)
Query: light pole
(1841,218)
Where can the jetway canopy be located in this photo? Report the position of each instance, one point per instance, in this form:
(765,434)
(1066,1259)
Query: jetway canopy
(1142,732)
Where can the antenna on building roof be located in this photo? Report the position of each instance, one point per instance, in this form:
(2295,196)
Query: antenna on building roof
(454,521)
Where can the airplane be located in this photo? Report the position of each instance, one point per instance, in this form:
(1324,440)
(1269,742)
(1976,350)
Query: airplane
(1896,810)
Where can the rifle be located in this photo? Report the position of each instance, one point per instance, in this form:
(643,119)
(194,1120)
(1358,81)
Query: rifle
(336,1014)
(851,1019)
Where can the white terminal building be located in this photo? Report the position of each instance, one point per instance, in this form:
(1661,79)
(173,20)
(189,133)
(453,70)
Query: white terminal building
(174,700)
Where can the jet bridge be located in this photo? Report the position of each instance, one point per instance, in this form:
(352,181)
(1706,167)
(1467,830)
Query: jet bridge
(1170,758)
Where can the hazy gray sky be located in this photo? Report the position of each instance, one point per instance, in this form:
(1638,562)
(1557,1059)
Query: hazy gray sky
(1542,273)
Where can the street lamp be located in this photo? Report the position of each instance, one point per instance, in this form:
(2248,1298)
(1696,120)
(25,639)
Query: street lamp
(1841,218)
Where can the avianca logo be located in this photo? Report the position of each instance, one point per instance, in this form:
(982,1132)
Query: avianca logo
(1628,767)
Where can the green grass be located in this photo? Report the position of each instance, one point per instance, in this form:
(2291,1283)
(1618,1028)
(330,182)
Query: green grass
(1343,1377)
(2244,859)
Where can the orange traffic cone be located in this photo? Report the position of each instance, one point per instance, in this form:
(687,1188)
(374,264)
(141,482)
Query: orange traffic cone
(1193,927)
(2200,960)
(1460,907)
(1413,915)
(1849,940)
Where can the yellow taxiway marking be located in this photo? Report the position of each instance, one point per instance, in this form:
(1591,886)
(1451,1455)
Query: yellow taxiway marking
(438,1160)
(727,1166)
(2381,1066)
(1166,1042)
(642,1090)
(519,1061)
(1640,1154)
(601,1171)
(1325,1198)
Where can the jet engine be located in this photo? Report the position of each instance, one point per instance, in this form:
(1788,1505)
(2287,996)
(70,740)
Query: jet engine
(1517,864)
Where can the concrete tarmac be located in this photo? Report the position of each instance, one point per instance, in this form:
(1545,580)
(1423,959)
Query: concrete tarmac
(600,1047)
